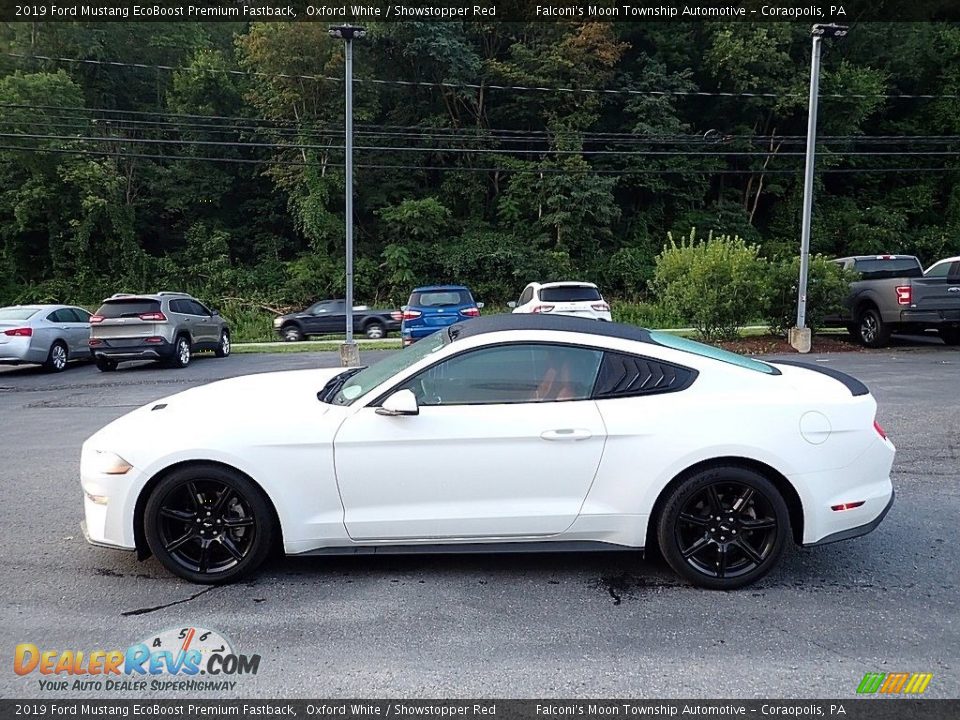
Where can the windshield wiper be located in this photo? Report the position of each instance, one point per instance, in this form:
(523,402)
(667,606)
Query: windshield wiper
(335,383)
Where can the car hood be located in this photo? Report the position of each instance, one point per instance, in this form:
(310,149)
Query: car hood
(237,411)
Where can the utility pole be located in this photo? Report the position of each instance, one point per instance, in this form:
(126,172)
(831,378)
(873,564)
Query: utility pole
(800,336)
(349,353)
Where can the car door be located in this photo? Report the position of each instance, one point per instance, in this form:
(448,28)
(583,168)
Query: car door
(207,329)
(79,331)
(506,444)
(316,318)
(335,319)
(939,290)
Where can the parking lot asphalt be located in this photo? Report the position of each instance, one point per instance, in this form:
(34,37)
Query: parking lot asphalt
(607,624)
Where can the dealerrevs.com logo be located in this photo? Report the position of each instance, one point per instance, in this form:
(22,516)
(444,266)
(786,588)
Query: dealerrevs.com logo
(186,659)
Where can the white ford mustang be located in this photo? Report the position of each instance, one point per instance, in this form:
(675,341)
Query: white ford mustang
(511,432)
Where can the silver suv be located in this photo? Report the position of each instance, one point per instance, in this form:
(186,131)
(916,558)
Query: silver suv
(165,326)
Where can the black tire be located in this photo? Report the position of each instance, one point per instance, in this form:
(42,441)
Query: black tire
(105,365)
(375,330)
(292,333)
(950,335)
(223,348)
(57,357)
(208,524)
(871,330)
(740,548)
(182,352)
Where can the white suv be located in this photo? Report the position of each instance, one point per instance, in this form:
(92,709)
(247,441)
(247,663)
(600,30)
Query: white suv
(578,299)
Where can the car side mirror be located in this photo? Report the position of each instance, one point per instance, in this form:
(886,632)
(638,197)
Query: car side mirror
(215,313)
(402,402)
(479,306)
(512,304)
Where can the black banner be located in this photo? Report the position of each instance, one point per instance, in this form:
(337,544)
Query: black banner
(90,709)
(334,11)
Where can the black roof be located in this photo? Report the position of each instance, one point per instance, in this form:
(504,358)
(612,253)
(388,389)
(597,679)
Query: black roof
(563,323)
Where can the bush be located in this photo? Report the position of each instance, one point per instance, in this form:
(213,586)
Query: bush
(648,315)
(714,284)
(827,288)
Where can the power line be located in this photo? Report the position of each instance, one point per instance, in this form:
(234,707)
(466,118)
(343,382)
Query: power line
(528,171)
(486,86)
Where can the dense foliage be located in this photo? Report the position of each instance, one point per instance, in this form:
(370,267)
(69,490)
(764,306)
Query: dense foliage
(133,176)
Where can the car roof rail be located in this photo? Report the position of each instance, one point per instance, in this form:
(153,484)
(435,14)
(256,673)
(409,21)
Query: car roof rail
(173,292)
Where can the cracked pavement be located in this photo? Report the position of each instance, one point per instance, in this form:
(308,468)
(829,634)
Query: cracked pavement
(591,625)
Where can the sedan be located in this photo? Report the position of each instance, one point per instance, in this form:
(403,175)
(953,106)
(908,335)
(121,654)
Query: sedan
(505,433)
(48,335)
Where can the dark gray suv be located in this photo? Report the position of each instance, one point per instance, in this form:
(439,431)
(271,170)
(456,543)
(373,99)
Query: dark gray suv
(165,326)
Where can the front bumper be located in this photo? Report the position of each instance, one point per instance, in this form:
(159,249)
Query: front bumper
(108,504)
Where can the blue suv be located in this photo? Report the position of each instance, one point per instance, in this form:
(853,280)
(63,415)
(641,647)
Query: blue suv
(434,307)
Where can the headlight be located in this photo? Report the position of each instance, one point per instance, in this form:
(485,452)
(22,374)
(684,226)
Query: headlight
(277,322)
(108,463)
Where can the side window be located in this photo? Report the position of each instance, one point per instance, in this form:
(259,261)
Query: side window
(526,296)
(59,316)
(941,270)
(623,375)
(521,373)
(177,307)
(197,308)
(79,315)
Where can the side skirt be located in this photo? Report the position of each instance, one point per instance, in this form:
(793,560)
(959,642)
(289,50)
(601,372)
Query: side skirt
(474,548)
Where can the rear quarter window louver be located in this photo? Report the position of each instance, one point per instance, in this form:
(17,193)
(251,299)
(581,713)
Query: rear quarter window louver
(628,375)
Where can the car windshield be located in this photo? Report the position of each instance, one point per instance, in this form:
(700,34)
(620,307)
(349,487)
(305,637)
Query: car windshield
(440,298)
(569,293)
(879,268)
(680,343)
(17,313)
(369,378)
(128,308)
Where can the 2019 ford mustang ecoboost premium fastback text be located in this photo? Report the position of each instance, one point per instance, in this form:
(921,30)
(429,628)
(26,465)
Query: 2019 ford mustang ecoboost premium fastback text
(502,433)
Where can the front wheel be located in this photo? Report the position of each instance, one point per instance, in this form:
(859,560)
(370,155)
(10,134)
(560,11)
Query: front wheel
(291,333)
(223,349)
(871,329)
(208,524)
(724,528)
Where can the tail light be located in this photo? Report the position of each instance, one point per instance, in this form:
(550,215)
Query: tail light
(601,307)
(847,506)
(93,342)
(154,340)
(94,319)
(542,308)
(19,332)
(904,294)
(470,312)
(880,431)
(397,315)
(410,314)
(155,316)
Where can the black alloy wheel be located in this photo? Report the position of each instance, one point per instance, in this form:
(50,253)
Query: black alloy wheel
(208,524)
(871,329)
(724,528)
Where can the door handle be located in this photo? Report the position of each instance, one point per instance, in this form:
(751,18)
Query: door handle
(953,289)
(566,434)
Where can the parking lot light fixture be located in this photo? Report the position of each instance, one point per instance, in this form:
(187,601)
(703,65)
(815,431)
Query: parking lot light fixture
(349,353)
(800,336)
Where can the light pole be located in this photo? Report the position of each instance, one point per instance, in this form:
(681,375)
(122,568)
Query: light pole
(349,353)
(800,335)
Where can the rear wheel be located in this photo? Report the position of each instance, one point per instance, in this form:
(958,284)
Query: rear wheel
(375,330)
(105,365)
(292,333)
(208,524)
(723,528)
(56,358)
(871,329)
(950,335)
(181,352)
